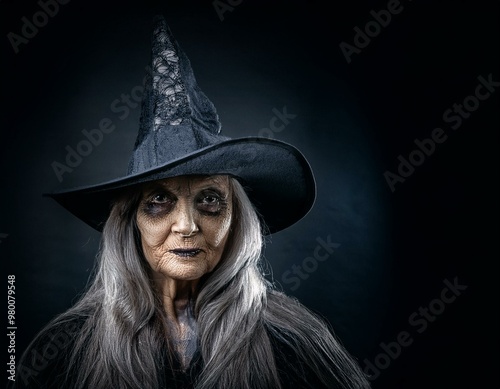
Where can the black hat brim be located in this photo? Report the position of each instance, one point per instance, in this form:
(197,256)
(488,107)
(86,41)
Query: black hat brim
(276,176)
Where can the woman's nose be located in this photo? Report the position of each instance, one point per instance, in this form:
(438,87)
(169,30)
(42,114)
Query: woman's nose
(184,220)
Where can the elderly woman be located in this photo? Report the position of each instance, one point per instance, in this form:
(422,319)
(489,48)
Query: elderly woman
(178,298)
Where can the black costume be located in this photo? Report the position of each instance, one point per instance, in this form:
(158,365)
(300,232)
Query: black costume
(46,365)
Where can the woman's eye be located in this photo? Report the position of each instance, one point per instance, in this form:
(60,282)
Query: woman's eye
(160,199)
(211,199)
(159,203)
(210,203)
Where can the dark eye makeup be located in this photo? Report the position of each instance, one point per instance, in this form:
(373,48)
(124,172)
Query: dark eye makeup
(208,202)
(211,202)
(158,202)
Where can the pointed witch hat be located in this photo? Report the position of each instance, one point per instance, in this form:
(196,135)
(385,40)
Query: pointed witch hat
(179,134)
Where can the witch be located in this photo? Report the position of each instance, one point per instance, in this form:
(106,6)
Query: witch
(178,298)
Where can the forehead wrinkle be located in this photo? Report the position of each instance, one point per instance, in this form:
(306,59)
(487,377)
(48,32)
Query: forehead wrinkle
(218,180)
(185,185)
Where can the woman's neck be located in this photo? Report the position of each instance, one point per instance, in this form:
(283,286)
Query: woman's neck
(178,298)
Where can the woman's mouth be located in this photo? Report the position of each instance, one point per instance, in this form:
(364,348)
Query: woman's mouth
(185,252)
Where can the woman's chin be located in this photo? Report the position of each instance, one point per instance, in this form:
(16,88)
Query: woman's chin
(184,270)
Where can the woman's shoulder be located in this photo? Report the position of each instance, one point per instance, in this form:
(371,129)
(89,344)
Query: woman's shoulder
(307,353)
(44,362)
(293,369)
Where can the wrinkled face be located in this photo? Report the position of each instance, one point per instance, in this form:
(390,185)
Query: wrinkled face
(184,224)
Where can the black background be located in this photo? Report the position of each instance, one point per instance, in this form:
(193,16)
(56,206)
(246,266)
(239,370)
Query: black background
(352,122)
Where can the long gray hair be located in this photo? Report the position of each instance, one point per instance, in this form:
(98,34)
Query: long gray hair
(125,333)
